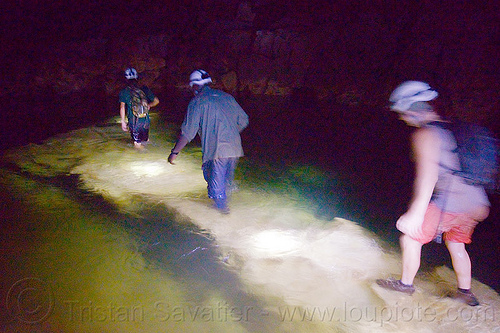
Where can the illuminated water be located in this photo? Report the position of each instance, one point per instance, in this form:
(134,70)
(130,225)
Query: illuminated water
(98,237)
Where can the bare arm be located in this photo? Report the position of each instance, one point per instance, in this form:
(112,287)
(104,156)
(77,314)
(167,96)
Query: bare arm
(154,103)
(425,145)
(426,150)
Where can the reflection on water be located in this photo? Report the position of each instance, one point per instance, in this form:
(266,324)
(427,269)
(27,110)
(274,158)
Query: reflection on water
(99,237)
(104,278)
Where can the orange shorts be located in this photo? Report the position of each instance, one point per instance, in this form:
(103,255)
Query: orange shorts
(456,227)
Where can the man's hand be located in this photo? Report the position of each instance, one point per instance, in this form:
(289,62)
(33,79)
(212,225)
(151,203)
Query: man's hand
(124,125)
(181,142)
(411,224)
(172,157)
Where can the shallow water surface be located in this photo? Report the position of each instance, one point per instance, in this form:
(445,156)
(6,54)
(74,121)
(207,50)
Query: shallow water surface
(99,237)
(77,261)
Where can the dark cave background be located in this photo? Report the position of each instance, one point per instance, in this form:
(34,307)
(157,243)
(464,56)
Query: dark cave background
(314,77)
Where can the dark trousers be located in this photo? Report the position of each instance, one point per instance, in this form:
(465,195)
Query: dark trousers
(219,175)
(139,129)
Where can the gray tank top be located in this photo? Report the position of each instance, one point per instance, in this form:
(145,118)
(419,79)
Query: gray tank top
(451,193)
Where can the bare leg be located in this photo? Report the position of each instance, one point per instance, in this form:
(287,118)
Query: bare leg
(461,263)
(411,251)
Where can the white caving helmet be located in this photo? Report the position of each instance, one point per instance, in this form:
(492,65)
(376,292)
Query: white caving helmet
(199,77)
(130,73)
(410,92)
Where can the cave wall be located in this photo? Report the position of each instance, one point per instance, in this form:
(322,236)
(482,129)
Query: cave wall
(347,52)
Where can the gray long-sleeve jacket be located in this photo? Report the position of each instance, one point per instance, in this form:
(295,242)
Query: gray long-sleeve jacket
(218,119)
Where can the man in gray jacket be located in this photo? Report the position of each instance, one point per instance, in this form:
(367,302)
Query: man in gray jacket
(218,119)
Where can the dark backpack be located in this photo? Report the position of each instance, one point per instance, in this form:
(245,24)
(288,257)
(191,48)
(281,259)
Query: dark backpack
(139,103)
(478,153)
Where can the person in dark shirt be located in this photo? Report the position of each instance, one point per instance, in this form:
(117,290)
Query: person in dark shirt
(136,124)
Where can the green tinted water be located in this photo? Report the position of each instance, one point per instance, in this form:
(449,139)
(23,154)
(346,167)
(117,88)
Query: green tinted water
(99,237)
